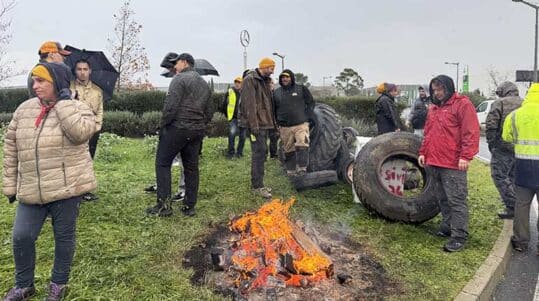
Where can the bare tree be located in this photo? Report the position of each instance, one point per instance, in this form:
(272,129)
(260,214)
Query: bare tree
(128,55)
(495,78)
(6,64)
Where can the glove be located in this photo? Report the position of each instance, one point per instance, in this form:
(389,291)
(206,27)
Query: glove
(11,198)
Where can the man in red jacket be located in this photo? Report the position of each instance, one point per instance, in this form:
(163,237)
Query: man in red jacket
(450,143)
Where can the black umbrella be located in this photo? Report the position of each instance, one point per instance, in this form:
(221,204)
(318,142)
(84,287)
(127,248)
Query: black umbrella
(104,75)
(202,67)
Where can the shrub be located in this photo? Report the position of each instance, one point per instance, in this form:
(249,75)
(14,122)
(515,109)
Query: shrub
(5,118)
(218,126)
(122,123)
(364,128)
(358,107)
(137,102)
(10,99)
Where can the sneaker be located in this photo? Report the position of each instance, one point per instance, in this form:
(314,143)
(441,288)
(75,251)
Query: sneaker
(20,294)
(301,172)
(151,188)
(178,197)
(291,173)
(229,156)
(161,209)
(263,192)
(454,245)
(56,292)
(88,197)
(239,155)
(507,214)
(188,211)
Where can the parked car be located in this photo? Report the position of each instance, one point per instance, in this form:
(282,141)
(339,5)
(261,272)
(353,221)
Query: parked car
(482,112)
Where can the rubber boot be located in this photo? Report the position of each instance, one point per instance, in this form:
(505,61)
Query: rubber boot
(290,163)
(302,157)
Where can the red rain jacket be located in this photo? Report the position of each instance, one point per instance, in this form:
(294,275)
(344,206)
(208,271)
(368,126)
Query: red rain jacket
(451,133)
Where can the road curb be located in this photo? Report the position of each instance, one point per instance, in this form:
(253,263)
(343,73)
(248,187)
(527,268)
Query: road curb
(484,282)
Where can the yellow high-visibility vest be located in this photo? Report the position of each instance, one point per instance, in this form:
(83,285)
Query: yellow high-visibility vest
(231,104)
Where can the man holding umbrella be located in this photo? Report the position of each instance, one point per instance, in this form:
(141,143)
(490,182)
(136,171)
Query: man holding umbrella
(90,94)
(186,113)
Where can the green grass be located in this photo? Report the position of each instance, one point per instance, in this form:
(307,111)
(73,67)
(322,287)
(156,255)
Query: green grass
(124,255)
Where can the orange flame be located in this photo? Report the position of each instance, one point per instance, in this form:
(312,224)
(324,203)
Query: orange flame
(266,236)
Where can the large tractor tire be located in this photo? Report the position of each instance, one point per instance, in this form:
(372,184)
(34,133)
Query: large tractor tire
(416,207)
(326,139)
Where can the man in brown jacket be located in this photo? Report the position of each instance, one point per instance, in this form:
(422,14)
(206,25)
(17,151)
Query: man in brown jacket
(90,94)
(47,168)
(257,115)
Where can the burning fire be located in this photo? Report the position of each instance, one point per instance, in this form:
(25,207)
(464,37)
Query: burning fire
(272,245)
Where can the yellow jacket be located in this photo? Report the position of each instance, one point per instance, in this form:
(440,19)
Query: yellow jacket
(92,96)
(521,128)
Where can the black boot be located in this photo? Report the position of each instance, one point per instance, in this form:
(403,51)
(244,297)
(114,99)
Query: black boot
(302,157)
(290,163)
(163,208)
(509,213)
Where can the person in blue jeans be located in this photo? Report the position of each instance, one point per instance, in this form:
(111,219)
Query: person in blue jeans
(230,109)
(47,167)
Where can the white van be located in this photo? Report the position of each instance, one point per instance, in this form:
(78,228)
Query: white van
(482,112)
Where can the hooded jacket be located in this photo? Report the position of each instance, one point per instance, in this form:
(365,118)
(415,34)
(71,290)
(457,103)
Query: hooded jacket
(187,105)
(294,103)
(256,105)
(49,162)
(387,118)
(501,108)
(521,128)
(452,128)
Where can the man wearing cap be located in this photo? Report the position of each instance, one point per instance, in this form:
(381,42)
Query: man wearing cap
(230,107)
(47,168)
(293,106)
(49,52)
(186,113)
(257,115)
(387,118)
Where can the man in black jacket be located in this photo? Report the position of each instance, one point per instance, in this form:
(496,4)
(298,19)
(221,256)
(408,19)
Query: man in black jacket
(418,113)
(186,113)
(502,163)
(293,106)
(387,118)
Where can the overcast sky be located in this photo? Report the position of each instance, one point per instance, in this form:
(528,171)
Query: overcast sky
(384,40)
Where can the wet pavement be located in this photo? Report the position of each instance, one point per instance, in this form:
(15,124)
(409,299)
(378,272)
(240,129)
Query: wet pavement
(520,280)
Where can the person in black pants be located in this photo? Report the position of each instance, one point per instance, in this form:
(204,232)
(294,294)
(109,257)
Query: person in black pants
(186,113)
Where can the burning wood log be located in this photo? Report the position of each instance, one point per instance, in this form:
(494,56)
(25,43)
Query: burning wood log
(271,245)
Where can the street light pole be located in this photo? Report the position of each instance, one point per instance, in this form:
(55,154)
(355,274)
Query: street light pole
(455,64)
(324,80)
(536,29)
(282,59)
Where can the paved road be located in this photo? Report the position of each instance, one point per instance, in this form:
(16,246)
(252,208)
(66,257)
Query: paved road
(521,278)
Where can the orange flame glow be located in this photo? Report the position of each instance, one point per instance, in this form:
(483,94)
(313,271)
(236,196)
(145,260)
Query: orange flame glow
(266,237)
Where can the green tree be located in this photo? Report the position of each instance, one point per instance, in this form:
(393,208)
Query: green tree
(476,97)
(302,79)
(349,81)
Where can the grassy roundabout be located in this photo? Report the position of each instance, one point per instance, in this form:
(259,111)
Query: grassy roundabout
(124,255)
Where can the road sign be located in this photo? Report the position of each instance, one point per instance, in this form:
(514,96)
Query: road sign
(245,38)
(524,76)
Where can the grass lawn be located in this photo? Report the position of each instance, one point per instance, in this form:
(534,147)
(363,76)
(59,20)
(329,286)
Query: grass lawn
(124,255)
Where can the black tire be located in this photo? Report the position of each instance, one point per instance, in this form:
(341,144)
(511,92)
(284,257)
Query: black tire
(416,208)
(315,179)
(326,138)
(345,170)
